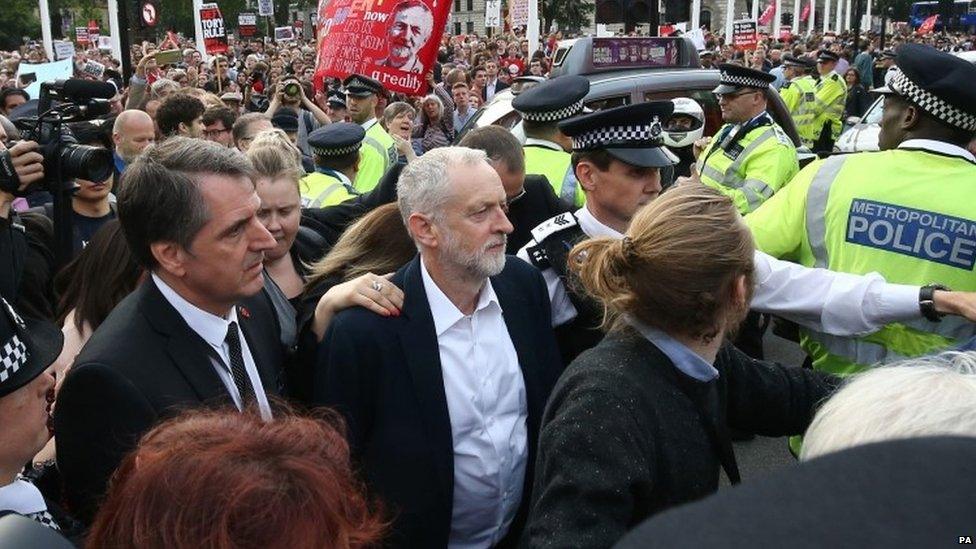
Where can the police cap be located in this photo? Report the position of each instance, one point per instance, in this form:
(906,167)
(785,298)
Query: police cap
(633,134)
(285,120)
(358,85)
(336,139)
(941,84)
(827,55)
(337,100)
(887,54)
(735,77)
(801,62)
(553,100)
(27,348)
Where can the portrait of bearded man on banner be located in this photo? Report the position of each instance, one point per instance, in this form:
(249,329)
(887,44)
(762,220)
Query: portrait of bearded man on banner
(408,32)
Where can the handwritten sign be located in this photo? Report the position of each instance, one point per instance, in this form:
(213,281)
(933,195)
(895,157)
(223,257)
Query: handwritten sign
(493,13)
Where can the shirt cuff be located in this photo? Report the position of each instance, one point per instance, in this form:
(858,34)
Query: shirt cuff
(898,303)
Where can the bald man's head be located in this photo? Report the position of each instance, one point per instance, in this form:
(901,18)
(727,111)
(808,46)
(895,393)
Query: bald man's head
(133,132)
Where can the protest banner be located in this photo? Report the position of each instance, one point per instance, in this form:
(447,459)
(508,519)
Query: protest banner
(265,8)
(93,69)
(81,35)
(785,32)
(928,25)
(393,42)
(519,12)
(63,50)
(493,13)
(665,30)
(284,34)
(299,27)
(767,14)
(247,24)
(744,34)
(105,43)
(214,35)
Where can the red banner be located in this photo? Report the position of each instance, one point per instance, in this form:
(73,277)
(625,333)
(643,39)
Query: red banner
(767,14)
(785,32)
(928,25)
(214,35)
(393,42)
(806,11)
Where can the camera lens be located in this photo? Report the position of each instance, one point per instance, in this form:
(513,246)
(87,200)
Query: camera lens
(291,88)
(86,162)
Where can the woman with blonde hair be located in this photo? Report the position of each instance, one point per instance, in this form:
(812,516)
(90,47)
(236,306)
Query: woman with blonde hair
(640,422)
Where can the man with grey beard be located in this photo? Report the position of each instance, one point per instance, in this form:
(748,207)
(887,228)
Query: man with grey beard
(443,400)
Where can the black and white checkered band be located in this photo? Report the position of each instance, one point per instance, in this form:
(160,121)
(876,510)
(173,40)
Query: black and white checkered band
(45,518)
(553,116)
(734,80)
(337,152)
(13,356)
(620,136)
(931,104)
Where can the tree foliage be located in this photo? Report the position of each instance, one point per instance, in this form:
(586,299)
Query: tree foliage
(568,14)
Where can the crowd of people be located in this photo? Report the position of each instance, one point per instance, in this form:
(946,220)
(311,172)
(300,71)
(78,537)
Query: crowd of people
(303,313)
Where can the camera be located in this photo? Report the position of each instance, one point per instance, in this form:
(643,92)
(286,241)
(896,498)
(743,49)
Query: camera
(62,102)
(292,89)
(59,103)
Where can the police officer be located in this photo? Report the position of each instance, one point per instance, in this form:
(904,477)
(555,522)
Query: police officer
(379,154)
(751,157)
(831,97)
(906,212)
(618,154)
(887,58)
(799,96)
(336,152)
(542,108)
(28,348)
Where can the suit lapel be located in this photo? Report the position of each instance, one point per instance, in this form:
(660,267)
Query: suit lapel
(190,353)
(261,350)
(419,342)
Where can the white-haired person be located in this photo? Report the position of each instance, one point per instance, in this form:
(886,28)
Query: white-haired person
(435,126)
(917,397)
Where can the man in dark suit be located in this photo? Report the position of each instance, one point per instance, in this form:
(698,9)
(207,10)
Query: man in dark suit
(443,401)
(198,331)
(492,84)
(530,200)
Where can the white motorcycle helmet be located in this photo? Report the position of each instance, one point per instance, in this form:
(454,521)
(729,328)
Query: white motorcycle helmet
(686,125)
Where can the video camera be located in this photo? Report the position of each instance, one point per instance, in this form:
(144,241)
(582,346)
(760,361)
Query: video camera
(62,102)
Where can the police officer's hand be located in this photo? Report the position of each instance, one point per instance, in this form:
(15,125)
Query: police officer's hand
(699,146)
(956,303)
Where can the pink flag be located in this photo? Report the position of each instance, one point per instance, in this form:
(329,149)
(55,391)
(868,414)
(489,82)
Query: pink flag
(767,14)
(806,11)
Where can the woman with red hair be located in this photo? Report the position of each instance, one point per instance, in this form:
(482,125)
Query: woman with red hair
(223,479)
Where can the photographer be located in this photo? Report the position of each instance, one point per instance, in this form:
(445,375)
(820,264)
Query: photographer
(290,94)
(26,250)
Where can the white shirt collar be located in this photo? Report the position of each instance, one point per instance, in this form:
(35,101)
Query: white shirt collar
(937,146)
(344,180)
(543,143)
(21,497)
(592,226)
(368,124)
(211,328)
(445,313)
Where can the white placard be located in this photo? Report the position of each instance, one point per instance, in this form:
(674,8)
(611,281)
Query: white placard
(105,43)
(284,34)
(265,7)
(63,50)
(519,10)
(602,32)
(93,68)
(697,37)
(493,13)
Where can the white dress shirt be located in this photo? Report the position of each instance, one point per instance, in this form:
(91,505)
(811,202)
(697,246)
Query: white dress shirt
(487,405)
(21,497)
(490,89)
(213,330)
(841,304)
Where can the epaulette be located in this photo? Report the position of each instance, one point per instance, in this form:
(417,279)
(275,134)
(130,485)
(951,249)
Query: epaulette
(553,225)
(786,85)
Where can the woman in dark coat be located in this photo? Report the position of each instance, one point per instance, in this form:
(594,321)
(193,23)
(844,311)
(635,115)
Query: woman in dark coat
(640,423)
(858,98)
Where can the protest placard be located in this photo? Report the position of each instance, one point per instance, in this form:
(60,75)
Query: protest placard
(214,35)
(284,34)
(744,34)
(81,35)
(63,50)
(247,24)
(393,42)
(265,8)
(493,13)
(519,11)
(31,75)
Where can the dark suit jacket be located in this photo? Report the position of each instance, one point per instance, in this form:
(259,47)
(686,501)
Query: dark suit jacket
(384,375)
(499,86)
(537,205)
(140,366)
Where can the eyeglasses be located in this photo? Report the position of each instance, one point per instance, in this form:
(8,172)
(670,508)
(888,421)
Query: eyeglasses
(732,96)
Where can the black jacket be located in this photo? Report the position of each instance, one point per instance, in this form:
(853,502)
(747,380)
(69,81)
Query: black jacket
(626,435)
(538,204)
(384,375)
(142,365)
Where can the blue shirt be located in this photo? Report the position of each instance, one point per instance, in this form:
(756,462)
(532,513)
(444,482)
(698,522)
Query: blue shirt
(119,163)
(684,359)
